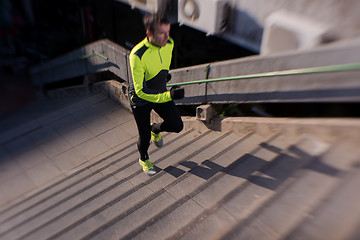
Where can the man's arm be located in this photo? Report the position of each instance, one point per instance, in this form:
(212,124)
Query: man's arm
(137,71)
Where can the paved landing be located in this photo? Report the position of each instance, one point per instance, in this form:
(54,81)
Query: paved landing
(37,152)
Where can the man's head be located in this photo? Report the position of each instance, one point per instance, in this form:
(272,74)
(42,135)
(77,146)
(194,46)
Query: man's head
(157,29)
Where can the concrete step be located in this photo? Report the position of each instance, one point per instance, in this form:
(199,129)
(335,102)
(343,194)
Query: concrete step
(209,185)
(60,121)
(127,203)
(293,193)
(209,193)
(80,188)
(137,216)
(337,215)
(38,114)
(217,217)
(38,220)
(65,187)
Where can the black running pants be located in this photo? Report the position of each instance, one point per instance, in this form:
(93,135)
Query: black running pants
(172,122)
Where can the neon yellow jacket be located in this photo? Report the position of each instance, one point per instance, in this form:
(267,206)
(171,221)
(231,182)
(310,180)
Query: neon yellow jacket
(149,68)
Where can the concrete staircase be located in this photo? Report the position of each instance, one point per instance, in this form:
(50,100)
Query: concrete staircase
(209,185)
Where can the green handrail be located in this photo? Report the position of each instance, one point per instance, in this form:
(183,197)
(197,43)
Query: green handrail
(323,69)
(71,61)
(94,54)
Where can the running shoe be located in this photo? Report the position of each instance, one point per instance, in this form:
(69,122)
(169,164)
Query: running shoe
(157,139)
(147,167)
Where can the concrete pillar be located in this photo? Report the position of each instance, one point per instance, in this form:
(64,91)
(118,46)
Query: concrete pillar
(205,113)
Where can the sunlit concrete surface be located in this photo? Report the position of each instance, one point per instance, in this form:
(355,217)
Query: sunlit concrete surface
(73,173)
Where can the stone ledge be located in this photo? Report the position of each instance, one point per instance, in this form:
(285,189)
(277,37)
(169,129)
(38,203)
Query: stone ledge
(326,129)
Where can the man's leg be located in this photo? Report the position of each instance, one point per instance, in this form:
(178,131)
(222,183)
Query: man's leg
(171,116)
(142,118)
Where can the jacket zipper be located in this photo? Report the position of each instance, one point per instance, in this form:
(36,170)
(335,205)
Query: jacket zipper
(160,56)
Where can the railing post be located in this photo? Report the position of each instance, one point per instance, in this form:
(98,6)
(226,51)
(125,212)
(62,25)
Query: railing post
(208,68)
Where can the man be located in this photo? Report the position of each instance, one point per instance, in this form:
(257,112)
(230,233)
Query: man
(150,62)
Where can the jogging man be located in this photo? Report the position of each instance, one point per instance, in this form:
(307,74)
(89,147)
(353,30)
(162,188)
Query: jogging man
(150,62)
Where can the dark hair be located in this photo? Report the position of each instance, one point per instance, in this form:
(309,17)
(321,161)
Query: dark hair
(150,20)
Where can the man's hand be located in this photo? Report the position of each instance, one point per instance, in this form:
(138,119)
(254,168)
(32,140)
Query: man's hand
(177,93)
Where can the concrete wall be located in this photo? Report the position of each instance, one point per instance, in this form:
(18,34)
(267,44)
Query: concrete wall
(320,87)
(316,87)
(74,64)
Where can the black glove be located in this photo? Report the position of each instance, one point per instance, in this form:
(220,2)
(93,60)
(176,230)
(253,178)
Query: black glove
(177,93)
(168,78)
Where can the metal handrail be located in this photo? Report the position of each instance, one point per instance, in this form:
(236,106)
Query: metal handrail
(322,69)
(86,56)
(94,54)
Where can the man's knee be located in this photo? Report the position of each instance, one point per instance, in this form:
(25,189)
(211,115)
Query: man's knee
(178,127)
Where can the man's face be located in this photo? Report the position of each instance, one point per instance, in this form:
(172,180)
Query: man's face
(160,35)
